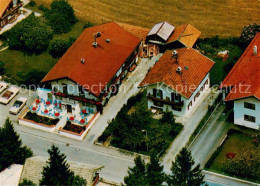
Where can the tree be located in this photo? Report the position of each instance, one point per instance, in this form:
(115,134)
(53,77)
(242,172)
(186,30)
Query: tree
(57,171)
(11,149)
(154,172)
(58,47)
(246,163)
(32,78)
(183,171)
(248,33)
(26,182)
(31,35)
(61,16)
(137,174)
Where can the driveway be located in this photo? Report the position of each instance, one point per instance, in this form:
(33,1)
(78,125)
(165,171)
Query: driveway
(211,136)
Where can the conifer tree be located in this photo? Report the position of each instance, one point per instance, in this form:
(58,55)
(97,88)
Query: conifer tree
(154,172)
(57,171)
(136,175)
(11,149)
(184,173)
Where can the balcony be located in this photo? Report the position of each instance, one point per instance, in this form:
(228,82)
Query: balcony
(166,101)
(77,98)
(12,10)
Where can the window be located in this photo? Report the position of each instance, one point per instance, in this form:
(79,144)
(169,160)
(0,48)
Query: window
(249,118)
(249,106)
(81,90)
(190,104)
(65,88)
(157,93)
(176,108)
(176,97)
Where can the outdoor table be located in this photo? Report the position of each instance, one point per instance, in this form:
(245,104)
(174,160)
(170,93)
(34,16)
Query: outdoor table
(48,102)
(82,121)
(46,111)
(57,114)
(34,108)
(71,118)
(38,101)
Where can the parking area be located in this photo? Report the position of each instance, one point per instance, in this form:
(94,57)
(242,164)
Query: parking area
(4,109)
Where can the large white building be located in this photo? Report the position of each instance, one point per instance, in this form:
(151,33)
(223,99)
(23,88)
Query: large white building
(242,87)
(92,69)
(177,81)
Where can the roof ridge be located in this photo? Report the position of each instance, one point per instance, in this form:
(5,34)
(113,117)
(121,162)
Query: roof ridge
(160,27)
(241,58)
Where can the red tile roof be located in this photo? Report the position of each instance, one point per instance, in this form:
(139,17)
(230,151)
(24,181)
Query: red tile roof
(101,63)
(245,75)
(3,5)
(139,32)
(186,34)
(195,67)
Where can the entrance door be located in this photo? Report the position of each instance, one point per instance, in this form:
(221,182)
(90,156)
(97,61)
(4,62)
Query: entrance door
(69,109)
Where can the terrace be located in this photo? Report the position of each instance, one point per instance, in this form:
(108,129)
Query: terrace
(51,116)
(54,110)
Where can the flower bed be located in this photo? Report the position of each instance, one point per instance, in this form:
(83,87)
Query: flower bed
(74,128)
(41,119)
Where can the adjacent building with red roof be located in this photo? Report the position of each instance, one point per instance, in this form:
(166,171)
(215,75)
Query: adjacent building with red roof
(242,86)
(177,81)
(9,11)
(92,69)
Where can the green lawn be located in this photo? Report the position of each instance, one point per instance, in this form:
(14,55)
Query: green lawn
(234,143)
(217,73)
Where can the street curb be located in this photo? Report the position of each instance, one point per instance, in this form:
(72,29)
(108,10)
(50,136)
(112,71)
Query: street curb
(229,177)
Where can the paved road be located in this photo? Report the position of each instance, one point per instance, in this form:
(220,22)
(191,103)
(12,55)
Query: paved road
(210,137)
(190,123)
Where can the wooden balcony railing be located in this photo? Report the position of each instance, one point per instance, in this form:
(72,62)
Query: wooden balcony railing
(19,5)
(165,101)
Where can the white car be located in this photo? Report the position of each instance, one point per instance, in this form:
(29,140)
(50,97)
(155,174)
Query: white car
(3,86)
(18,105)
(9,94)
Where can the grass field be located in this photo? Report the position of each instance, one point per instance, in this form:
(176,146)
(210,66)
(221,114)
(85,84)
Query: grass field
(212,17)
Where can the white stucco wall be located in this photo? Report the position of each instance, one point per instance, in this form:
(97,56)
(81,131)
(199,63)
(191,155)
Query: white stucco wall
(240,111)
(167,93)
(72,88)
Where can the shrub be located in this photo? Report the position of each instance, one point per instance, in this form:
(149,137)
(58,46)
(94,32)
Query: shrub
(2,67)
(32,3)
(32,78)
(88,24)
(213,157)
(61,16)
(58,47)
(249,33)
(41,119)
(26,182)
(43,8)
(31,35)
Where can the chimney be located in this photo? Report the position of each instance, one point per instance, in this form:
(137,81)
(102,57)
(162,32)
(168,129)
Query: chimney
(255,50)
(96,35)
(175,55)
(178,70)
(82,60)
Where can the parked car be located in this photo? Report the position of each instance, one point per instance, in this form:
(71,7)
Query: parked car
(9,94)
(3,86)
(18,105)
